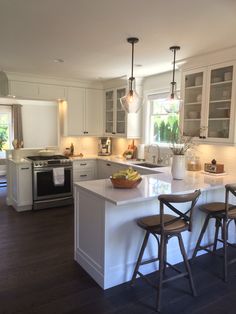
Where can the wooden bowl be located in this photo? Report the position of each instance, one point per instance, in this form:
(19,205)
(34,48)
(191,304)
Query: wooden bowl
(124,183)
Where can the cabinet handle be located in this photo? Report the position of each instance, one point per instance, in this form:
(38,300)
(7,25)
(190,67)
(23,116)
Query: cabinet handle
(109,165)
(83,164)
(83,175)
(85,132)
(26,168)
(113,132)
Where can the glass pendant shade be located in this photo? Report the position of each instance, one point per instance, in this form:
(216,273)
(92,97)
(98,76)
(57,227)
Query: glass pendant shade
(173,103)
(131,102)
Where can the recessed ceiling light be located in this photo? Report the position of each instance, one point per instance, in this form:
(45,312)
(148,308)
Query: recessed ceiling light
(58,60)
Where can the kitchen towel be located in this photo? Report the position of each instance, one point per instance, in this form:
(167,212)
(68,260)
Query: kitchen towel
(58,176)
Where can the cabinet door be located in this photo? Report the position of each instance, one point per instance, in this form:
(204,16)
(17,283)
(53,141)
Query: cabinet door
(94,112)
(24,90)
(219,113)
(120,116)
(74,115)
(194,96)
(25,194)
(109,112)
(51,92)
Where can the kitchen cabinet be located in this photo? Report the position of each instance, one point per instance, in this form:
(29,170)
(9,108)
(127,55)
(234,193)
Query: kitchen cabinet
(107,168)
(82,114)
(84,170)
(209,103)
(117,122)
(19,180)
(52,92)
(25,90)
(29,90)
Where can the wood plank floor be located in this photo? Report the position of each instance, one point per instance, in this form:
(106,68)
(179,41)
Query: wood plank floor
(39,276)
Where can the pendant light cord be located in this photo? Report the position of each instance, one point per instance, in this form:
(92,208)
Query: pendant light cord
(173,83)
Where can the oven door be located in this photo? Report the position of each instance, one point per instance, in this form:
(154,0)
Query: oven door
(44,187)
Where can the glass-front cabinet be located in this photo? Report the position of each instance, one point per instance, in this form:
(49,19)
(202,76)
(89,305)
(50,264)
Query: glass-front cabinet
(208,108)
(115,116)
(193,103)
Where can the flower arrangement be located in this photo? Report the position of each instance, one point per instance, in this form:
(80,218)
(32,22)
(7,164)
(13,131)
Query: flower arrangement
(180,144)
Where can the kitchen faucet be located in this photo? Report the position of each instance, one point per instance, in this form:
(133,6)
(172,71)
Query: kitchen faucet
(157,152)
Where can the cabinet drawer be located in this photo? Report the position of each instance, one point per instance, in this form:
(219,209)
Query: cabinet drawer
(84,164)
(83,175)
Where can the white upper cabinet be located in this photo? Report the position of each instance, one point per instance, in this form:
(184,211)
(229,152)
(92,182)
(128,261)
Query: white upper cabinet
(209,103)
(83,112)
(74,113)
(52,92)
(25,90)
(117,122)
(94,112)
(30,90)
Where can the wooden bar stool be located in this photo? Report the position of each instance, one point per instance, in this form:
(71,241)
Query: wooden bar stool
(163,227)
(223,213)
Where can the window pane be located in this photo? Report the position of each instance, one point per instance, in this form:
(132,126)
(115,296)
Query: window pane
(163,125)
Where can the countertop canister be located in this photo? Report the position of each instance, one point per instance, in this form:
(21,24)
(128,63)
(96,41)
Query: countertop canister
(140,154)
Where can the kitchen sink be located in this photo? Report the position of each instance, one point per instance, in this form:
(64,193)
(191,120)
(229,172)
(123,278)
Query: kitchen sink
(148,165)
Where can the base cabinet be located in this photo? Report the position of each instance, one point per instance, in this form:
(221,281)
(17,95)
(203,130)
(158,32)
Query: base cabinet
(84,170)
(19,181)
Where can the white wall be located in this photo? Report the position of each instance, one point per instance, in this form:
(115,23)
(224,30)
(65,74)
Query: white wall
(40,123)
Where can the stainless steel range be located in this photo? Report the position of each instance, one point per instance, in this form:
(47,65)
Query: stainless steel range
(52,181)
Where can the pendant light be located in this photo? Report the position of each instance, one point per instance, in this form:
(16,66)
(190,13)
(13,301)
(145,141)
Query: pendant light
(131,102)
(173,102)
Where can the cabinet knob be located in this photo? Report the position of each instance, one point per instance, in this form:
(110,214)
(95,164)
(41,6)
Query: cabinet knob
(109,165)
(85,132)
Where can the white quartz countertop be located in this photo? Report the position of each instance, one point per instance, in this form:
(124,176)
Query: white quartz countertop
(155,184)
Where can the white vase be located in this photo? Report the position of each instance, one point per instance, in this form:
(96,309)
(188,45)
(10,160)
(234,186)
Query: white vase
(178,167)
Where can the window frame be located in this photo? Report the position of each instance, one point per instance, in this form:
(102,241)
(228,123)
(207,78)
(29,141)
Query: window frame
(148,114)
(7,109)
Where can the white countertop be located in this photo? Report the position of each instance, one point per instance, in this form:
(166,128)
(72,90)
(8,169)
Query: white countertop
(155,184)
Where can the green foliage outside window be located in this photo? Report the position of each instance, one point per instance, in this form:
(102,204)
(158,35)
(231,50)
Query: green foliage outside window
(165,127)
(3,136)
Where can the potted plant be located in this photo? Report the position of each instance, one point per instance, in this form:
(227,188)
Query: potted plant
(179,146)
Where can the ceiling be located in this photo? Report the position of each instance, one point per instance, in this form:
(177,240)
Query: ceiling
(90,35)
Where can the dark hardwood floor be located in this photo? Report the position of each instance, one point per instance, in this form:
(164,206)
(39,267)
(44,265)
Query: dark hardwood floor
(38,274)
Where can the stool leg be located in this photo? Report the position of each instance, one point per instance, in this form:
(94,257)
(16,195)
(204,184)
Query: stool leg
(165,255)
(161,269)
(187,266)
(217,226)
(225,249)
(140,257)
(201,236)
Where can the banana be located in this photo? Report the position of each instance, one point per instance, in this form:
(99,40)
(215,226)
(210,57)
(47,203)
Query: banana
(129,174)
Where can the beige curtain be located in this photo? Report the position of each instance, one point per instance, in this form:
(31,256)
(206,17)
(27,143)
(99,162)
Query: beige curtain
(17,125)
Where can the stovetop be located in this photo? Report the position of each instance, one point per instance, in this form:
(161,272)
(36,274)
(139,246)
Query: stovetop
(52,161)
(53,157)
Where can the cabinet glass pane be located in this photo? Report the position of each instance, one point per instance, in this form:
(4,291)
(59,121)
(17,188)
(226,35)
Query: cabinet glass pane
(192,104)
(109,111)
(120,112)
(220,102)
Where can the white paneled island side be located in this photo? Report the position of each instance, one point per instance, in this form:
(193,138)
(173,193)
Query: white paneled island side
(107,238)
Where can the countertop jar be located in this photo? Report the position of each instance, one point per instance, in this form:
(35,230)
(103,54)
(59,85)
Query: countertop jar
(194,164)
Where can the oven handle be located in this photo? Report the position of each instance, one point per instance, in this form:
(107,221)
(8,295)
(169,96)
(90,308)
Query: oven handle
(43,169)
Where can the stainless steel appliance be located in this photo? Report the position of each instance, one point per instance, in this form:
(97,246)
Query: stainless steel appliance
(45,193)
(104,146)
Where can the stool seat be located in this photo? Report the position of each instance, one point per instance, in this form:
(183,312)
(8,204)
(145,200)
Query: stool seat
(171,223)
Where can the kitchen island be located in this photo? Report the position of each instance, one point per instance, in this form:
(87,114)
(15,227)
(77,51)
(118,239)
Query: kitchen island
(107,239)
